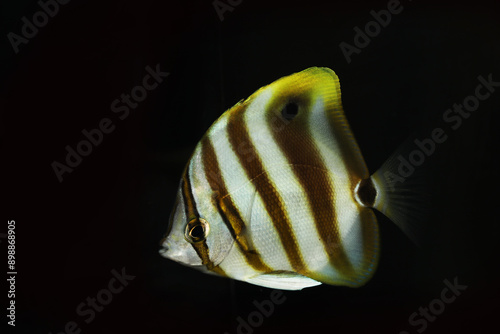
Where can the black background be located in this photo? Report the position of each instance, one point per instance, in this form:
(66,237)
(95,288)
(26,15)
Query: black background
(112,210)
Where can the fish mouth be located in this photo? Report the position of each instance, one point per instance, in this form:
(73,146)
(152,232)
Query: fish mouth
(162,241)
(164,253)
(173,254)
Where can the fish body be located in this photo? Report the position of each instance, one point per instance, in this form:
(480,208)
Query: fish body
(277,192)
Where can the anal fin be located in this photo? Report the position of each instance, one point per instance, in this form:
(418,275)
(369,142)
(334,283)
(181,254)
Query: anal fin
(283,281)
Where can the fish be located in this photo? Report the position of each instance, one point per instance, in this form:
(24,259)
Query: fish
(277,192)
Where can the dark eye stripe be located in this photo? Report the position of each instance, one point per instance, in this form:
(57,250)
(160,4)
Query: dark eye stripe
(187,195)
(192,213)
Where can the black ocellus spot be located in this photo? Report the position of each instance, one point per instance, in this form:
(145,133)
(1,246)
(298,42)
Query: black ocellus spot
(289,111)
(367,192)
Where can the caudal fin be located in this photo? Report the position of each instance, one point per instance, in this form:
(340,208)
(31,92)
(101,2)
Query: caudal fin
(403,185)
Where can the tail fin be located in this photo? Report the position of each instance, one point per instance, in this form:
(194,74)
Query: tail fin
(403,185)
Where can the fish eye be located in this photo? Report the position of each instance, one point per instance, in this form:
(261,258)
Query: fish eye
(290,110)
(196,230)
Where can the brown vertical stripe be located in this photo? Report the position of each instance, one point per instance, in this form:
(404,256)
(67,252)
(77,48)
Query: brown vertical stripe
(297,144)
(228,211)
(238,134)
(201,248)
(187,194)
(349,149)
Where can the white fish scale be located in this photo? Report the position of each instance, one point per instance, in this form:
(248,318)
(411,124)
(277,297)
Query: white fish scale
(233,173)
(266,239)
(242,192)
(288,187)
(199,184)
(348,219)
(304,226)
(236,266)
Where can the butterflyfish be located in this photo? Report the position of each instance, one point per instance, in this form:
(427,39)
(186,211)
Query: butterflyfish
(277,192)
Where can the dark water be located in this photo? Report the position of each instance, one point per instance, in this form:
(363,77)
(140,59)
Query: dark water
(110,212)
